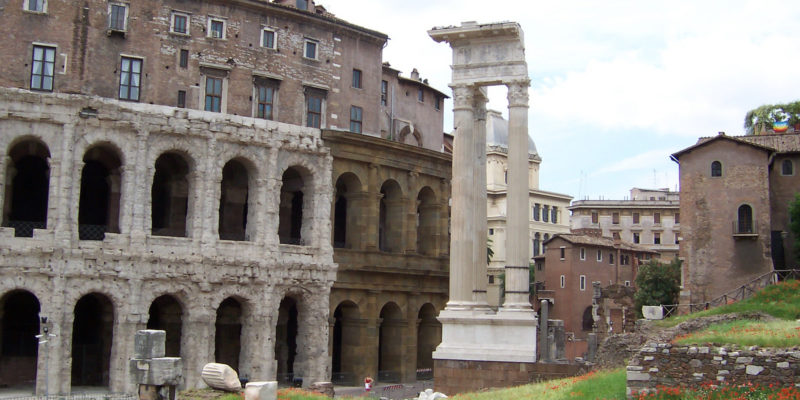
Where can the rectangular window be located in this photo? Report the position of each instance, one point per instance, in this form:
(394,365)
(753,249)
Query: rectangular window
(636,237)
(599,255)
(491,231)
(43,68)
(302,4)
(657,218)
(635,218)
(213,94)
(437,103)
(677,239)
(266,101)
(268,39)
(611,258)
(615,218)
(310,49)
(117,17)
(563,252)
(36,5)
(656,238)
(180,23)
(216,28)
(314,111)
(130,78)
(183,60)
(563,281)
(420,95)
(677,218)
(583,254)
(582,283)
(357,78)
(355,119)
(384,92)
(536,208)
(554,215)
(594,217)
(545,213)
(181,98)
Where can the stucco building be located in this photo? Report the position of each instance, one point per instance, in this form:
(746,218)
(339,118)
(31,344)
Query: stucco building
(650,217)
(169,165)
(735,193)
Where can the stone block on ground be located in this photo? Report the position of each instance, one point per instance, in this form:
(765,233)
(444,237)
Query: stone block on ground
(653,312)
(158,371)
(261,390)
(429,394)
(324,388)
(221,377)
(149,343)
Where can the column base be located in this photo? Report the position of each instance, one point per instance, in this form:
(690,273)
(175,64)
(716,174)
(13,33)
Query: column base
(479,335)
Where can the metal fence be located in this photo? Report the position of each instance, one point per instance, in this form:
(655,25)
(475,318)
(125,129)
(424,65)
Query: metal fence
(741,293)
(25,228)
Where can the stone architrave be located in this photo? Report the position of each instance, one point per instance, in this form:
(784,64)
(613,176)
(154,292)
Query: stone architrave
(486,55)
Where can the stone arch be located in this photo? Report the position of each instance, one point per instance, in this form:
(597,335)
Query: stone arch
(390,343)
(410,135)
(166,314)
(347,342)
(228,327)
(347,207)
(390,218)
(294,226)
(429,335)
(170,194)
(308,324)
(92,334)
(587,320)
(100,193)
(286,330)
(427,220)
(236,199)
(27,186)
(19,325)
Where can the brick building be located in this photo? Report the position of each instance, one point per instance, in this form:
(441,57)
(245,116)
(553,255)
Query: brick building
(735,193)
(177,165)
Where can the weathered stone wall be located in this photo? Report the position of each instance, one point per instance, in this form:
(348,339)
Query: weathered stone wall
(457,376)
(133,267)
(691,366)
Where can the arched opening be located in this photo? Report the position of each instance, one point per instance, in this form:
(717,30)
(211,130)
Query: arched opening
(716,168)
(228,338)
(588,320)
(745,219)
(346,342)
(101,183)
(390,343)
(427,216)
(27,186)
(345,214)
(92,333)
(286,339)
(233,202)
(429,335)
(390,221)
(19,325)
(166,314)
(290,226)
(170,195)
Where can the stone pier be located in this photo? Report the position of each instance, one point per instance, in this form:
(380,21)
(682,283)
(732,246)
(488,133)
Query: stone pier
(472,333)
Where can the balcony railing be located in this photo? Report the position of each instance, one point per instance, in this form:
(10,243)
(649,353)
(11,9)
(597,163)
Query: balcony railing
(25,228)
(744,228)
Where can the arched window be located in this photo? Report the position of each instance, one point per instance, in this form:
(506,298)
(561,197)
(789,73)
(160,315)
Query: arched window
(390,217)
(346,221)
(290,225)
(536,244)
(427,216)
(745,219)
(101,182)
(787,167)
(588,319)
(233,202)
(170,196)
(716,168)
(27,187)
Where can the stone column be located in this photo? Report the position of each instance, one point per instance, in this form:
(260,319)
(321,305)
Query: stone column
(480,279)
(462,232)
(372,208)
(517,230)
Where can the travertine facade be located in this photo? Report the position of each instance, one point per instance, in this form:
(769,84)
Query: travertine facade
(735,194)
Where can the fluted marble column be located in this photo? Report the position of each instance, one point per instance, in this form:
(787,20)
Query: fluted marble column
(480,279)
(517,231)
(462,230)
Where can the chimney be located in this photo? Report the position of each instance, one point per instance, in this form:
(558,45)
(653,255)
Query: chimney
(415,74)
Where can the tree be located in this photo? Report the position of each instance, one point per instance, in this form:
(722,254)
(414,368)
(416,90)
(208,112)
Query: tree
(794,223)
(763,117)
(657,284)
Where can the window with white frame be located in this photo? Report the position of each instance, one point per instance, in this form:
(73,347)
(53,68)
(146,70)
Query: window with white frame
(43,67)
(583,254)
(563,281)
(39,6)
(179,23)
(130,78)
(268,39)
(118,17)
(311,49)
(599,255)
(582,282)
(216,28)
(627,283)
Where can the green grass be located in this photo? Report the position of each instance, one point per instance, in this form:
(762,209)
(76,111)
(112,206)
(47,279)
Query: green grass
(594,385)
(780,301)
(747,333)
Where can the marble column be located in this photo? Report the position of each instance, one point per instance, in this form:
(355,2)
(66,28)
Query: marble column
(462,232)
(480,278)
(517,230)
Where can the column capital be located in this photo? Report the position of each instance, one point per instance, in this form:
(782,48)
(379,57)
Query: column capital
(518,93)
(462,97)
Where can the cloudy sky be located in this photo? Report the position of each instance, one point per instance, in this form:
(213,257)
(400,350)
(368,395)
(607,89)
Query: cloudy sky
(616,86)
